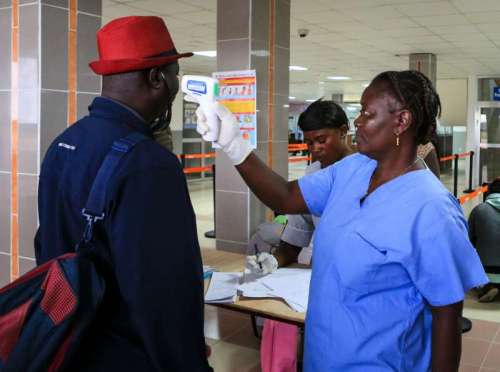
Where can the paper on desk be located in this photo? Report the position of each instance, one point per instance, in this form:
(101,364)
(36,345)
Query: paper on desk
(223,287)
(207,271)
(292,285)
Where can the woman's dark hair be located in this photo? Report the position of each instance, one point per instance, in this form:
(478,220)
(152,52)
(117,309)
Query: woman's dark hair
(415,92)
(322,114)
(494,186)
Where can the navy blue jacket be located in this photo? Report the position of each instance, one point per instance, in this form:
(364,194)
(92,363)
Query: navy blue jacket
(156,321)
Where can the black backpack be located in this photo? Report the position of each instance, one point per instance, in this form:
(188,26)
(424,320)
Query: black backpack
(45,314)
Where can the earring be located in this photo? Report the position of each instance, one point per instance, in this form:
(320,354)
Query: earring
(397,139)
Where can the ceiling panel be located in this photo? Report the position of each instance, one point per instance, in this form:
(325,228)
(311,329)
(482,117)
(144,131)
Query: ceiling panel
(420,9)
(356,38)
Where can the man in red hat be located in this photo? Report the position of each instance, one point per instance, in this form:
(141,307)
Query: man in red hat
(156,322)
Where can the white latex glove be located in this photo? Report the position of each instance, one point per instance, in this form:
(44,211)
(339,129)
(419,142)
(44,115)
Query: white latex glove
(230,139)
(264,263)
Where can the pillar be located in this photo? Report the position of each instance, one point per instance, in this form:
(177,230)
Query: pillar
(46,85)
(253,34)
(425,63)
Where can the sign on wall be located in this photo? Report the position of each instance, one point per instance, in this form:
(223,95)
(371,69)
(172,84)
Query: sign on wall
(238,92)
(496,93)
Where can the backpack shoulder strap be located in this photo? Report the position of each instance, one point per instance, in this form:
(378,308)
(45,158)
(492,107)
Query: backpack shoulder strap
(95,206)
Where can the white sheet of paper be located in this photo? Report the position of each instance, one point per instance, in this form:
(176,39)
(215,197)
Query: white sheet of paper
(223,287)
(292,285)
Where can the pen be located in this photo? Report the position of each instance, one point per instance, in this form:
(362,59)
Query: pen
(257,253)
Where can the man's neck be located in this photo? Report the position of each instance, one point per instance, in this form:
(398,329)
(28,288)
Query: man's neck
(125,105)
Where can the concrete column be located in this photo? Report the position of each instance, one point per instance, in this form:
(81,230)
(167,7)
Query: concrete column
(253,34)
(46,84)
(338,98)
(425,63)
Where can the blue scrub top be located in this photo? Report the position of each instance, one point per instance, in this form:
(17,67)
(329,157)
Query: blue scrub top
(377,267)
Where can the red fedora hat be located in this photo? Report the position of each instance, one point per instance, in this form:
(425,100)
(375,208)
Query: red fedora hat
(134,43)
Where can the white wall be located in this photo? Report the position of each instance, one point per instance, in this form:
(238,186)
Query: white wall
(453,94)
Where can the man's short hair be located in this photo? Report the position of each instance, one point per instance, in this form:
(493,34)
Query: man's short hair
(322,115)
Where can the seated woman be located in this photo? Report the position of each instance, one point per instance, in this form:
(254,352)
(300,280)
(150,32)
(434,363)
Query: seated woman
(484,233)
(325,126)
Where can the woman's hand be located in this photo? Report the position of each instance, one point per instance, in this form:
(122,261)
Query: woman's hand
(230,139)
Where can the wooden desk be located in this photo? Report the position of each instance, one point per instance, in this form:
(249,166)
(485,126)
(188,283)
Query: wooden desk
(268,308)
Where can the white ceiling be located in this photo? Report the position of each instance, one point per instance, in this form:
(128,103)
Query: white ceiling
(355,38)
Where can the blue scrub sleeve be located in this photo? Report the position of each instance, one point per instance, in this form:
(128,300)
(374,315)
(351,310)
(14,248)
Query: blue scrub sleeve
(316,189)
(442,263)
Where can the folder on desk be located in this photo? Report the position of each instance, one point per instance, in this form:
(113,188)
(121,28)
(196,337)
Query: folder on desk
(223,288)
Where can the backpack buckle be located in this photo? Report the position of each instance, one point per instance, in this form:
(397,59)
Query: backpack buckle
(91,220)
(90,217)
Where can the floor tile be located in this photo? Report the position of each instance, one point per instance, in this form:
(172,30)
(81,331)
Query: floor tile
(468,368)
(474,351)
(492,358)
(227,357)
(483,330)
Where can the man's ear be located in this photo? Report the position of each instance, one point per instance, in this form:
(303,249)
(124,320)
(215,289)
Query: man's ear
(155,80)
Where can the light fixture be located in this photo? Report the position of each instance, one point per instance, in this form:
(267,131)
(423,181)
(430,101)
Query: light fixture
(206,53)
(297,68)
(339,78)
(310,100)
(366,85)
(291,97)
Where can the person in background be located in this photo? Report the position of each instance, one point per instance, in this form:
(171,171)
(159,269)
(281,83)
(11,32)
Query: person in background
(155,321)
(164,137)
(484,233)
(428,153)
(392,259)
(325,126)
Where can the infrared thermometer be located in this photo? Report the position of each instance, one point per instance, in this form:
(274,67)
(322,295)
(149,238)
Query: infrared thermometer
(205,90)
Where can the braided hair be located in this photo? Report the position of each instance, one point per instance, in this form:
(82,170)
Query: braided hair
(415,92)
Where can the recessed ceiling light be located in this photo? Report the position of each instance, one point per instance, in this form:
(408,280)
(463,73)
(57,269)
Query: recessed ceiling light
(206,53)
(339,78)
(298,68)
(291,97)
(310,100)
(366,85)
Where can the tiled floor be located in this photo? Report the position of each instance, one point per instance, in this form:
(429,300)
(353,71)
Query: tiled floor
(236,349)
(481,347)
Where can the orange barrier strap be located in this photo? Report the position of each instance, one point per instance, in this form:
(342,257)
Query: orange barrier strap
(467,197)
(197,156)
(451,157)
(297,147)
(197,169)
(464,154)
(297,159)
(446,158)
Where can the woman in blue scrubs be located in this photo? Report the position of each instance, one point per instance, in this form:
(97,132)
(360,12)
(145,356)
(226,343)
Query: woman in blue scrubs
(392,259)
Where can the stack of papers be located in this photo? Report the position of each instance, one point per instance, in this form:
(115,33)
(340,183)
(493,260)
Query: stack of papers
(291,285)
(223,288)
(207,271)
